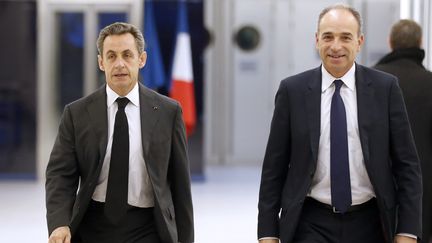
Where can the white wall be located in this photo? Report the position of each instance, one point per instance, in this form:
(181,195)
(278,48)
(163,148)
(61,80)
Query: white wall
(240,86)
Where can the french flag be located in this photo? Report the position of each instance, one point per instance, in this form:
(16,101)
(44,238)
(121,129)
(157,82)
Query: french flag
(182,86)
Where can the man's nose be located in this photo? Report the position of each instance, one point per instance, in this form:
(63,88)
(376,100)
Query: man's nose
(119,63)
(336,45)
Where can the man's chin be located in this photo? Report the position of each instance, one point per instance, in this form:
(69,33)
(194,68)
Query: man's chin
(121,79)
(121,87)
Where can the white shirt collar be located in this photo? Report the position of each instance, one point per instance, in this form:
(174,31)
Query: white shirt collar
(348,78)
(133,95)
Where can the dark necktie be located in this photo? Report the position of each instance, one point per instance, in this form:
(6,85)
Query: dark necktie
(117,188)
(339,164)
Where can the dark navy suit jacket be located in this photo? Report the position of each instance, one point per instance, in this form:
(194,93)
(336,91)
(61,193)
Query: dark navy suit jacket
(389,153)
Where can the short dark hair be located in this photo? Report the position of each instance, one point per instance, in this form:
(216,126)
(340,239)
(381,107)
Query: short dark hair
(120,28)
(405,33)
(350,9)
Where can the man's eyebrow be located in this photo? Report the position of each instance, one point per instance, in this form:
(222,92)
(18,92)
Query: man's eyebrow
(347,33)
(122,52)
(327,33)
(110,52)
(343,33)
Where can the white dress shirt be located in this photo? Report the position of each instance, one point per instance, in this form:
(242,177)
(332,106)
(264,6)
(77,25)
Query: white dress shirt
(361,187)
(140,191)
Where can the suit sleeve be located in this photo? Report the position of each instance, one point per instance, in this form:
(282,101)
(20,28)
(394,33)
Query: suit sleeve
(406,166)
(275,167)
(180,181)
(61,176)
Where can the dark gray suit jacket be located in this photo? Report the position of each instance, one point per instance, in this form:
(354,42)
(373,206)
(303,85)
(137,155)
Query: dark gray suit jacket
(79,150)
(389,153)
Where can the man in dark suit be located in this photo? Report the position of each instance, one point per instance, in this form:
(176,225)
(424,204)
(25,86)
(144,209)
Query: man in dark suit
(405,62)
(121,128)
(340,164)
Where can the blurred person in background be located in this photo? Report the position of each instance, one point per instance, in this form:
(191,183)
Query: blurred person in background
(405,62)
(340,164)
(119,170)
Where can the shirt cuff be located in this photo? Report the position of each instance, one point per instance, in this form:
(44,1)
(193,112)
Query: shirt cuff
(408,235)
(268,238)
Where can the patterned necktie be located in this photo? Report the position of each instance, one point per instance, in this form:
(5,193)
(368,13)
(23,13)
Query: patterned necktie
(339,164)
(117,188)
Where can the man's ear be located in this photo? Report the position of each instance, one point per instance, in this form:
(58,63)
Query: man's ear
(143,59)
(100,62)
(360,41)
(389,43)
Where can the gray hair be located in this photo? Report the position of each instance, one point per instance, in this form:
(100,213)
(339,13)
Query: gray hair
(120,28)
(346,7)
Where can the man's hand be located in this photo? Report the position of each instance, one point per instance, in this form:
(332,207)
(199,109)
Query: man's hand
(404,239)
(269,241)
(60,235)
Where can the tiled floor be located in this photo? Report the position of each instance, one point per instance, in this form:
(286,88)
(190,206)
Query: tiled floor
(225,208)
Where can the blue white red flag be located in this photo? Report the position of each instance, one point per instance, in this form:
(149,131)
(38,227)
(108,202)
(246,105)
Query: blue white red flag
(182,87)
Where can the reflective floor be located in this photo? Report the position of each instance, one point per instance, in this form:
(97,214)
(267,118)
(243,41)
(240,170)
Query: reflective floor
(225,208)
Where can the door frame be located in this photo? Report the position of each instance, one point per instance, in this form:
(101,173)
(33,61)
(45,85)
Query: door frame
(47,26)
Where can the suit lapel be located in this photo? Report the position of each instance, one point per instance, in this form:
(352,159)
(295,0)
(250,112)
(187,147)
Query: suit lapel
(98,117)
(364,105)
(97,110)
(149,116)
(313,109)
